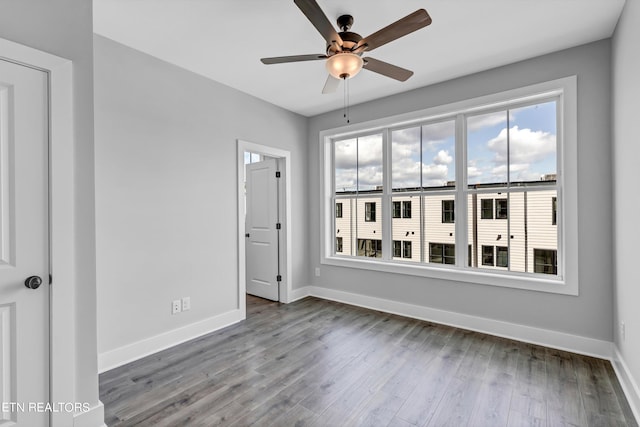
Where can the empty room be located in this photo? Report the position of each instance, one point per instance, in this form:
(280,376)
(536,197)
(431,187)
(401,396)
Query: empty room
(319,213)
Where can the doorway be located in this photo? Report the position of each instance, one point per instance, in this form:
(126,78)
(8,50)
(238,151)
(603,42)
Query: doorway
(264,161)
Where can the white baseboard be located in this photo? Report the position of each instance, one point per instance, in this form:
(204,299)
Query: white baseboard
(299,293)
(629,385)
(94,417)
(123,355)
(545,337)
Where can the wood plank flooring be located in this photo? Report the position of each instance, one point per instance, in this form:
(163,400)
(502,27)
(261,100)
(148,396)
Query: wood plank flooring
(322,363)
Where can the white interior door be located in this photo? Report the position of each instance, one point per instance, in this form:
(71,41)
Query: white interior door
(24,247)
(262,234)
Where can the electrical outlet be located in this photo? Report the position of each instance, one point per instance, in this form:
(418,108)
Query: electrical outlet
(623,331)
(176,306)
(186,303)
(317,271)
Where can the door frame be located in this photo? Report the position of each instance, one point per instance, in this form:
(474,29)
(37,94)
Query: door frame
(285,285)
(62,234)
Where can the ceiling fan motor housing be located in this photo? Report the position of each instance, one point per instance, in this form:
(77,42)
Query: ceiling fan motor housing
(349,41)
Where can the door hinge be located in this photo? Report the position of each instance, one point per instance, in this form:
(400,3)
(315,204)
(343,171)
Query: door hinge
(247,235)
(278,278)
(278,226)
(50,279)
(277,174)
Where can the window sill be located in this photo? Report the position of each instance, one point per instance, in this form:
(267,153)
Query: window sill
(457,274)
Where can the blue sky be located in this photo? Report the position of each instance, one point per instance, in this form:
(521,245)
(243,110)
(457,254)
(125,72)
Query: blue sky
(532,151)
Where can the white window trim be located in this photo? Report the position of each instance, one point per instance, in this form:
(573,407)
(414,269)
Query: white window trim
(567,176)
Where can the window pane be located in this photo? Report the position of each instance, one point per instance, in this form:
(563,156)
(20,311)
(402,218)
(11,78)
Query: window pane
(435,230)
(486,230)
(438,154)
(396,210)
(338,244)
(532,143)
(448,211)
(346,165)
(502,256)
(369,227)
(502,209)
(487,149)
(545,261)
(406,249)
(339,210)
(487,255)
(541,232)
(345,225)
(407,229)
(397,249)
(405,155)
(370,163)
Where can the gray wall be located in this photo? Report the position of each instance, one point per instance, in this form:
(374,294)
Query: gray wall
(166,191)
(589,314)
(626,153)
(64,28)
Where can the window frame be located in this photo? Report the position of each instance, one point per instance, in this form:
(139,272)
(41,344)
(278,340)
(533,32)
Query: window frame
(492,260)
(397,244)
(451,218)
(396,213)
(338,209)
(499,209)
(406,203)
(370,211)
(406,244)
(564,91)
(484,211)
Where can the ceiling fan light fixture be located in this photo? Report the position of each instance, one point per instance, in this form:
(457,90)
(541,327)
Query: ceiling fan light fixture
(344,65)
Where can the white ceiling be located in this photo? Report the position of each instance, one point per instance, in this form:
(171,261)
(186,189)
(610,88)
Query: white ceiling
(225,39)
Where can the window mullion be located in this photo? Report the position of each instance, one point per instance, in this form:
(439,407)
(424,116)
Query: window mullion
(460,212)
(386,196)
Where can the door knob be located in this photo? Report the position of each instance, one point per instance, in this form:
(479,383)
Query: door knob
(33,282)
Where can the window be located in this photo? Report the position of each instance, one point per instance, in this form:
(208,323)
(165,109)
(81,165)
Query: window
(486,206)
(502,256)
(478,174)
(338,210)
(406,249)
(487,255)
(338,244)
(370,248)
(546,261)
(442,253)
(370,212)
(396,210)
(406,209)
(448,211)
(397,248)
(501,209)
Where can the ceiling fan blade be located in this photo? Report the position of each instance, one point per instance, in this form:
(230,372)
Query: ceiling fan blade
(410,23)
(312,11)
(387,69)
(294,58)
(331,84)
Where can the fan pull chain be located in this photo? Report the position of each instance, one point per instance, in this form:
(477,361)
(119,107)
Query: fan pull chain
(346,99)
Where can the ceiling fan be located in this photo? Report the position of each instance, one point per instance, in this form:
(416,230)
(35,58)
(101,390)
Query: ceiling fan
(344,49)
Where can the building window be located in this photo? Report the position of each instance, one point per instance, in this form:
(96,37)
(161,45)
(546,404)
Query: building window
(338,210)
(370,212)
(502,256)
(370,248)
(501,209)
(545,261)
(487,255)
(448,207)
(442,253)
(554,210)
(338,244)
(396,210)
(397,248)
(406,209)
(486,208)
(406,249)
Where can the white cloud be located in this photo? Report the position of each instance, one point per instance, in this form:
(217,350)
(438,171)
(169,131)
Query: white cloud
(525,146)
(442,158)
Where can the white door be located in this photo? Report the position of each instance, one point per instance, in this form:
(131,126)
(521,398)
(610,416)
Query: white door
(262,234)
(24,247)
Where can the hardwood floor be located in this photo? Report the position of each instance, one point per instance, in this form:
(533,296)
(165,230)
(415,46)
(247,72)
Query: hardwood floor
(322,363)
